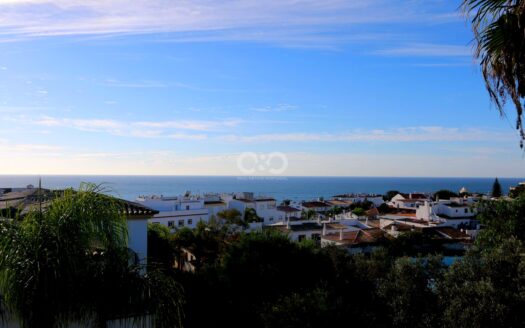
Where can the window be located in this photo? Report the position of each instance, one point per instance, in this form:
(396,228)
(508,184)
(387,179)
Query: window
(301,237)
(190,221)
(271,219)
(171,224)
(466,210)
(316,236)
(181,223)
(187,207)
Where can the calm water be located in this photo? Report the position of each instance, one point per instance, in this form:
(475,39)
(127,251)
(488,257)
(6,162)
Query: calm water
(296,188)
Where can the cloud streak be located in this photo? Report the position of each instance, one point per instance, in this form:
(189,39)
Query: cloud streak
(426,50)
(399,135)
(142,129)
(294,22)
(220,131)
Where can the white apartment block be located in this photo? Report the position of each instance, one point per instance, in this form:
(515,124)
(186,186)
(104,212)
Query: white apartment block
(182,211)
(265,207)
(452,212)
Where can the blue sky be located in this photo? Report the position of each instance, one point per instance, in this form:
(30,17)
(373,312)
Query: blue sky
(353,88)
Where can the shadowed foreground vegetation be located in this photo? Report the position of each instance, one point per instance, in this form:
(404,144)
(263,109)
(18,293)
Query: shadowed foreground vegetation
(69,264)
(265,280)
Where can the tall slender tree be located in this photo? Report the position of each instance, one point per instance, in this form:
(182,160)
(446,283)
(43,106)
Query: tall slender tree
(499,31)
(496,189)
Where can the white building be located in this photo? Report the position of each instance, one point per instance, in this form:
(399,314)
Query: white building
(317,206)
(287,213)
(408,201)
(298,229)
(377,200)
(265,207)
(137,217)
(453,212)
(215,204)
(177,212)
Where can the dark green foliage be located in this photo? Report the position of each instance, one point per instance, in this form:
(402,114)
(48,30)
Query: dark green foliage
(270,265)
(334,211)
(384,209)
(390,194)
(358,211)
(307,309)
(365,205)
(501,219)
(160,246)
(250,216)
(409,293)
(444,194)
(496,189)
(500,40)
(486,289)
(70,263)
(308,215)
(261,279)
(265,280)
(232,216)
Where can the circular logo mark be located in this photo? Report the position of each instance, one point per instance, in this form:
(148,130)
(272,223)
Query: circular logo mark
(272,163)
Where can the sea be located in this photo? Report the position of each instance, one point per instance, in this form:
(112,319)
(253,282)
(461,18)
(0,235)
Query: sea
(293,188)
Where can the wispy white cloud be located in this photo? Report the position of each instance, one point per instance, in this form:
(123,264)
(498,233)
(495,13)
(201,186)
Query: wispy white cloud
(292,22)
(408,134)
(137,84)
(9,146)
(141,129)
(190,125)
(221,132)
(426,50)
(276,109)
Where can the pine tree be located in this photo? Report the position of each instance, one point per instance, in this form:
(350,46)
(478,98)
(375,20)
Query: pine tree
(496,189)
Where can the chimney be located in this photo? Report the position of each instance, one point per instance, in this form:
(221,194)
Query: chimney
(340,234)
(410,196)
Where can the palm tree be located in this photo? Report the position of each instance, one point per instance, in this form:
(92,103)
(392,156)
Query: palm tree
(499,31)
(70,263)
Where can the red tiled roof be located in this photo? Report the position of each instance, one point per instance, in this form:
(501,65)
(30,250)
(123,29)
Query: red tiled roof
(287,209)
(314,204)
(372,212)
(339,202)
(364,236)
(452,233)
(399,226)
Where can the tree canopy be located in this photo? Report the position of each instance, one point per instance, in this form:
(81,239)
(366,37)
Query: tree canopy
(500,46)
(70,264)
(496,189)
(444,194)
